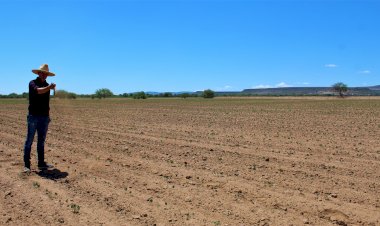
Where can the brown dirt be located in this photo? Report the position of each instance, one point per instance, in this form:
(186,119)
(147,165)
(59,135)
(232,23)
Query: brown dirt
(227,161)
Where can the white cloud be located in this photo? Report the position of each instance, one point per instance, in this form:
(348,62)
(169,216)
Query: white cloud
(282,85)
(279,85)
(262,87)
(365,72)
(331,65)
(303,83)
(224,88)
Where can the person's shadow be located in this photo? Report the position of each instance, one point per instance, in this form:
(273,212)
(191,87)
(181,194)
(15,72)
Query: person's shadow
(53,174)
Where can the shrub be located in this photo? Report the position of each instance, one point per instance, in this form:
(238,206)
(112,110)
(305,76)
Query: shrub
(103,93)
(65,94)
(124,95)
(139,95)
(13,95)
(208,93)
(75,208)
(184,95)
(166,94)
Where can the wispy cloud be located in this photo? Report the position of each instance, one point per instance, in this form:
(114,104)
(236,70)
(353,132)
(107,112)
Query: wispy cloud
(224,88)
(303,83)
(331,65)
(282,85)
(365,72)
(279,85)
(262,87)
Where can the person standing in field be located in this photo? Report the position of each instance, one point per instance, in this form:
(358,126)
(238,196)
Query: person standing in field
(38,117)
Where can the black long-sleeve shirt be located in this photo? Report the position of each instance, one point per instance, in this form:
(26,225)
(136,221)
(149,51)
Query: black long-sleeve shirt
(38,103)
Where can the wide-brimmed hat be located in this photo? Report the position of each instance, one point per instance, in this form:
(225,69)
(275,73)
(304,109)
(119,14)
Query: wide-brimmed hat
(45,69)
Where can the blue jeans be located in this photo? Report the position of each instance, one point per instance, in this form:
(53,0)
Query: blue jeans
(39,124)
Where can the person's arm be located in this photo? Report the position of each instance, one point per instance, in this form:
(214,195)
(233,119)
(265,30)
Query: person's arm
(46,89)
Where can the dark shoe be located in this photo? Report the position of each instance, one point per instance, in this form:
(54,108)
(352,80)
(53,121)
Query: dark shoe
(44,166)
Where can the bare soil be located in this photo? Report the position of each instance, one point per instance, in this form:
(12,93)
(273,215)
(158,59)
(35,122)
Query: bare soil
(225,161)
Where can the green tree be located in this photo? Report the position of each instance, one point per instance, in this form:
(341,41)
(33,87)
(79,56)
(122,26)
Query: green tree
(184,95)
(167,94)
(124,95)
(208,93)
(103,93)
(340,87)
(13,95)
(139,95)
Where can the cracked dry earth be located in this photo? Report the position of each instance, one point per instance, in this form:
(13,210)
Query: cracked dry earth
(225,161)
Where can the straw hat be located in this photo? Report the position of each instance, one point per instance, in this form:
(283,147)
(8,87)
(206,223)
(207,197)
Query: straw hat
(45,69)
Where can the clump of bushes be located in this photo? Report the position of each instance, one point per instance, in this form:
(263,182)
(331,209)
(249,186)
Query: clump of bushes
(208,93)
(65,95)
(103,93)
(15,95)
(166,94)
(184,95)
(139,95)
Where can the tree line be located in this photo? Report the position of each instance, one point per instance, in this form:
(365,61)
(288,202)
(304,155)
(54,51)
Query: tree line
(104,93)
(107,93)
(340,88)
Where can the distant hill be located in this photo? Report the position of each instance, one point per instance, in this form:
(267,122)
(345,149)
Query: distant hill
(290,91)
(296,91)
(300,91)
(374,87)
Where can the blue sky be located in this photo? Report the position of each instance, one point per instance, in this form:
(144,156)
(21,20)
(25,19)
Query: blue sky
(189,45)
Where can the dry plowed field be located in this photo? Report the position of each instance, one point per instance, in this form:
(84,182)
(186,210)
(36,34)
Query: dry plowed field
(225,161)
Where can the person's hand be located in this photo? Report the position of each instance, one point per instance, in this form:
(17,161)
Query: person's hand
(52,86)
